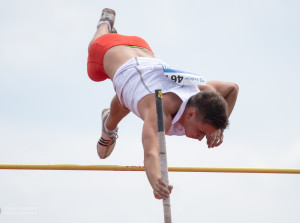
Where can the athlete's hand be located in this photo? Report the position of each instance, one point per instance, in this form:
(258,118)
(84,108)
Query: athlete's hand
(160,190)
(215,139)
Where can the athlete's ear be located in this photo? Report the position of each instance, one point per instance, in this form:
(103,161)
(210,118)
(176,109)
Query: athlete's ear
(191,112)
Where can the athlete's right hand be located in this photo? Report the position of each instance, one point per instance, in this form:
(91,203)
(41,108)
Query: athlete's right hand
(160,190)
(215,139)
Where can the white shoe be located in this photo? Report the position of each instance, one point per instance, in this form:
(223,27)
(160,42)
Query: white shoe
(107,142)
(107,15)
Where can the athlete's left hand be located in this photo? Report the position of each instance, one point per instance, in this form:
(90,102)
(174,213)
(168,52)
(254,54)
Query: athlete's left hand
(161,191)
(215,139)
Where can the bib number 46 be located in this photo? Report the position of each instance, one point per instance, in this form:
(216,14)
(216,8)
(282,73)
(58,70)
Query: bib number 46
(176,78)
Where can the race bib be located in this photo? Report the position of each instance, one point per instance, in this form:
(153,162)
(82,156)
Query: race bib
(183,77)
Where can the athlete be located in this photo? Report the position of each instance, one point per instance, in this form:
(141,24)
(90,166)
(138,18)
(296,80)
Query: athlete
(191,110)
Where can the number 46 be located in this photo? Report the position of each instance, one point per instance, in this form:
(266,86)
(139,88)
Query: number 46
(177,79)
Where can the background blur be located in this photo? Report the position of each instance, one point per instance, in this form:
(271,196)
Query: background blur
(50,111)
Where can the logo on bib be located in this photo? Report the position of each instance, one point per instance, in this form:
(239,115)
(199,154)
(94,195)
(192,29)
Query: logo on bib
(183,77)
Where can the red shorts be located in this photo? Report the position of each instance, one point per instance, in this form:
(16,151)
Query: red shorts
(101,45)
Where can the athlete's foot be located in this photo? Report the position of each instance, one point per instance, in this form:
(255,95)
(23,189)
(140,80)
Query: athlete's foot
(107,16)
(107,142)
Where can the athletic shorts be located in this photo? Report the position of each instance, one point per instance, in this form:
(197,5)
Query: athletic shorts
(101,45)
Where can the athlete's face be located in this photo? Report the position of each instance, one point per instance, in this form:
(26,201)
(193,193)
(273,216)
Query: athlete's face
(195,128)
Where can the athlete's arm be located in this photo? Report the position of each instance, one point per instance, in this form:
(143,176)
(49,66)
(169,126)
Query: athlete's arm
(151,157)
(147,109)
(228,90)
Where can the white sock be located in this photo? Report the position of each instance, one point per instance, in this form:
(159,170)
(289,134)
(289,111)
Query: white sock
(109,132)
(107,22)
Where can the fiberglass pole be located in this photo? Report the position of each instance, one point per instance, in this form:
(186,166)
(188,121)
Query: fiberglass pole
(163,153)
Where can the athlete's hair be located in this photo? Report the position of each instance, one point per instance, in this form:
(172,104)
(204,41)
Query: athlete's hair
(211,108)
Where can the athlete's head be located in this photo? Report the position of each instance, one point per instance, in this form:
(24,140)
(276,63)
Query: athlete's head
(205,113)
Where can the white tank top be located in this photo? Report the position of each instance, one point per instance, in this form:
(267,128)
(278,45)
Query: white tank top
(141,76)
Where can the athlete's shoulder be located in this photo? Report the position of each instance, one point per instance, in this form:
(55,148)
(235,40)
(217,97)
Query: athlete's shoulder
(171,103)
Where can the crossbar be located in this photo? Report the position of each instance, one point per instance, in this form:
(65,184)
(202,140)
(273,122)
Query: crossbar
(141,168)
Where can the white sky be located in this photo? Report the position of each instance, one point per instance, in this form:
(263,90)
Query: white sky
(50,111)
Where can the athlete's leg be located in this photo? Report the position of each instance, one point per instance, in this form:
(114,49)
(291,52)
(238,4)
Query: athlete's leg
(105,24)
(103,29)
(117,113)
(110,120)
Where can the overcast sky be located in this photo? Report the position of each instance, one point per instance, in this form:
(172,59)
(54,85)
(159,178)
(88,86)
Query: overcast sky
(50,111)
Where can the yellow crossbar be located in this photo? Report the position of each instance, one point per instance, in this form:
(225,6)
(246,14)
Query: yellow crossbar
(141,168)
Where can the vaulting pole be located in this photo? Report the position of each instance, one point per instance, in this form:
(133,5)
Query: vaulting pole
(163,153)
